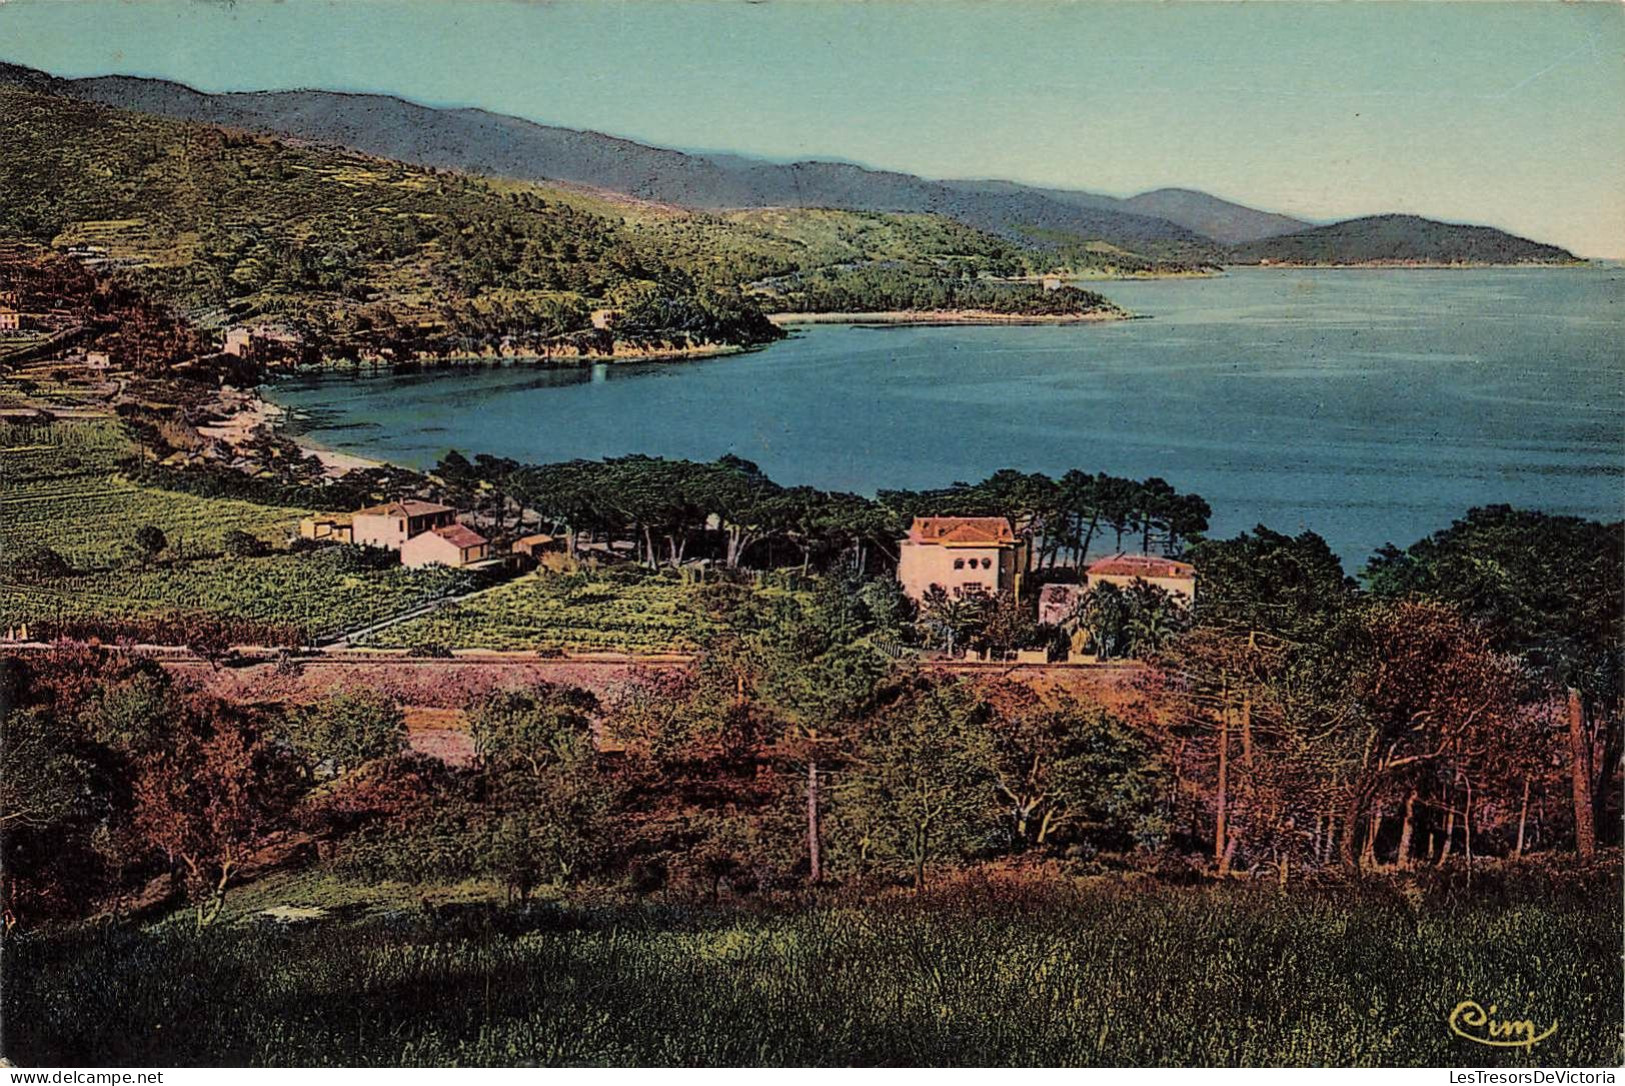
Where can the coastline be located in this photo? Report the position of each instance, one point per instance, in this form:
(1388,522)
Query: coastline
(945,317)
(573,360)
(336,464)
(1412,265)
(246,413)
(1121,276)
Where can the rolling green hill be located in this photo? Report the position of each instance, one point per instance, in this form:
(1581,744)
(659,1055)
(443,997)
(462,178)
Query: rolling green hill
(1399,239)
(477,141)
(364,254)
(805,214)
(350,249)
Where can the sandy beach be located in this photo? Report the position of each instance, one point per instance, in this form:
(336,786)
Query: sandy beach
(246,412)
(336,463)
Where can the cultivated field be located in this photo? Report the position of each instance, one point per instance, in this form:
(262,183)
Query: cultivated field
(583,612)
(316,592)
(62,490)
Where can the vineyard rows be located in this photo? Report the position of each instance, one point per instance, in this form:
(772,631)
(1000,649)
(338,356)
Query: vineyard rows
(553,611)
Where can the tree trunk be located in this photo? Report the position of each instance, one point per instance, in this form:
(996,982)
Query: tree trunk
(1045,825)
(1402,859)
(1467,826)
(920,839)
(815,865)
(1368,851)
(1523,821)
(1228,857)
(1087,541)
(1247,728)
(1449,834)
(1220,825)
(217,900)
(1585,822)
(1348,845)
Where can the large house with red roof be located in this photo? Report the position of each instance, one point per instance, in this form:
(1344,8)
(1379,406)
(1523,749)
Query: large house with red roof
(393,523)
(1178,579)
(425,533)
(964,555)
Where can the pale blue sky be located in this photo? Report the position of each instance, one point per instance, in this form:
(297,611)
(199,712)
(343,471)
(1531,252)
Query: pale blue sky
(1509,114)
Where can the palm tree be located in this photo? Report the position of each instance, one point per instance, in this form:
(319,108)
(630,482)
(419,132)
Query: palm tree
(952,619)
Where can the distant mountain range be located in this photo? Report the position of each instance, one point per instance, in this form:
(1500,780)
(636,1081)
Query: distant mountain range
(1166,224)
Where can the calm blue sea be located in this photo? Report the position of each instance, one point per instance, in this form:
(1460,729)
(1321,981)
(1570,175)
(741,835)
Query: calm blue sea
(1368,405)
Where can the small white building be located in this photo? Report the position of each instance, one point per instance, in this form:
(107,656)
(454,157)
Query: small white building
(1178,579)
(1058,603)
(454,545)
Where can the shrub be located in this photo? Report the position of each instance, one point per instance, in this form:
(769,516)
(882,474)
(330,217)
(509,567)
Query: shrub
(150,540)
(38,563)
(241,544)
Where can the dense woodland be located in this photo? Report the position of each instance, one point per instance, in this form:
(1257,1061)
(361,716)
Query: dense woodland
(664,507)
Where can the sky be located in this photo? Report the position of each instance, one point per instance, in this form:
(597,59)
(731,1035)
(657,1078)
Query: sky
(1506,114)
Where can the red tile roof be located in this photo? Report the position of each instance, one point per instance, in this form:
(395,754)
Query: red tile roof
(461,536)
(1140,565)
(409,508)
(961,531)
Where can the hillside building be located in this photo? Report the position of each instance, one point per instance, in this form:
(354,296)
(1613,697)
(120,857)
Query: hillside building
(964,555)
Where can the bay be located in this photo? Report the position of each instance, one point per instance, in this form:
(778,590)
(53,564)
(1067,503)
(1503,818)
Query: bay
(1367,405)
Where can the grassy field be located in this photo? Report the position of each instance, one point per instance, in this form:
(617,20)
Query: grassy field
(1088,974)
(62,491)
(581,611)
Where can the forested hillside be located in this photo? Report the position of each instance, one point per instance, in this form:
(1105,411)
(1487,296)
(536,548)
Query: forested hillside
(364,255)
(1156,232)
(344,246)
(1400,239)
(898,289)
(476,141)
